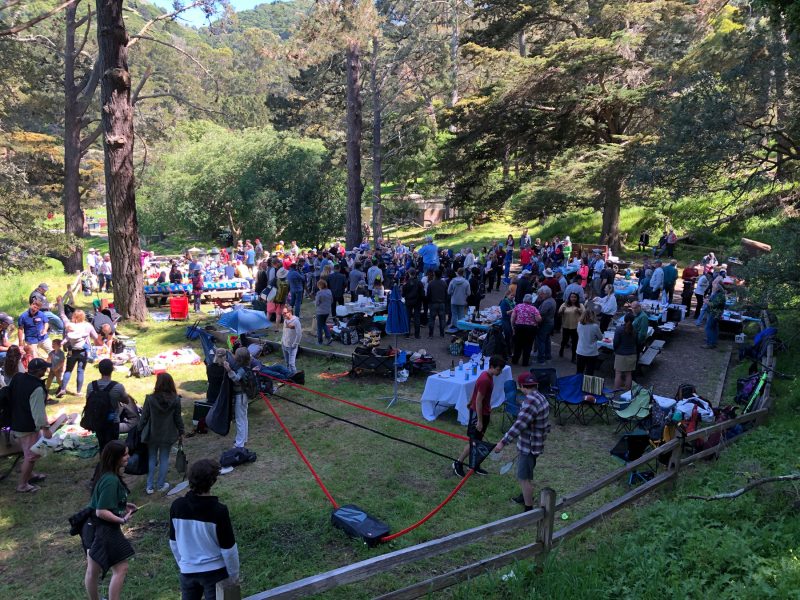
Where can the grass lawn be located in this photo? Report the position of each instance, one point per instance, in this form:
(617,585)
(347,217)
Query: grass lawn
(281,517)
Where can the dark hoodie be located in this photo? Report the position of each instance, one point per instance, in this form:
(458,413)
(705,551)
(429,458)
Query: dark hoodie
(163,413)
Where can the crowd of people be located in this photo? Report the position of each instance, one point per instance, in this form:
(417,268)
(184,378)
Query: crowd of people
(548,289)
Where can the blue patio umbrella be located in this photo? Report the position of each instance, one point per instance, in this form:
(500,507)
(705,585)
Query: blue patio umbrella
(397,317)
(396,323)
(245,320)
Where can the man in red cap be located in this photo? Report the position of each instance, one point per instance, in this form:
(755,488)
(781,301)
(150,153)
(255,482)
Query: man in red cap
(531,429)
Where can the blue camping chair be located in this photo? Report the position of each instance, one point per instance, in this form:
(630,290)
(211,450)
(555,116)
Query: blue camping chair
(548,386)
(511,405)
(570,399)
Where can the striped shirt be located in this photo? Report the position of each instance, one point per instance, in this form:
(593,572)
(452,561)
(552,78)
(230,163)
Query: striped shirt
(532,425)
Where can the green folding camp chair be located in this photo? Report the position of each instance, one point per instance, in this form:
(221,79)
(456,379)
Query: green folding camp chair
(637,412)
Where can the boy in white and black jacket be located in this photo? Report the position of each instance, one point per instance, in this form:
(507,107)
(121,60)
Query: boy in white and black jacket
(201,535)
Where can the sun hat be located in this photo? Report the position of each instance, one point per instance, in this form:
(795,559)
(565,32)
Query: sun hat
(548,273)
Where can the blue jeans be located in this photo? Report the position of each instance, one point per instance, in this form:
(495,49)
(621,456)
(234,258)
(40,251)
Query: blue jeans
(458,312)
(197,586)
(160,453)
(507,269)
(703,314)
(712,330)
(543,342)
(297,302)
(56,324)
(322,328)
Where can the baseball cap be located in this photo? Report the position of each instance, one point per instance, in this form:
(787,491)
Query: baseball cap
(526,380)
(44,286)
(38,364)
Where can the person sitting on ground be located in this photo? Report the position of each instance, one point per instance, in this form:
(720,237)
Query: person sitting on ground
(28,396)
(201,535)
(161,426)
(530,429)
(480,410)
(129,414)
(32,328)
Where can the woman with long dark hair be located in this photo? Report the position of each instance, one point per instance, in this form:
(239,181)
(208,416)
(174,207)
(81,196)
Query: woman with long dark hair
(161,425)
(12,363)
(105,544)
(624,353)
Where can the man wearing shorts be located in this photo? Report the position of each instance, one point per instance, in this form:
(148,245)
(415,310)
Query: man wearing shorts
(531,429)
(480,410)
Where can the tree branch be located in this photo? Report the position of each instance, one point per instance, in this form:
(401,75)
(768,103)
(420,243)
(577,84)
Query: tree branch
(747,488)
(182,100)
(164,17)
(88,20)
(137,91)
(90,138)
(187,55)
(87,92)
(35,20)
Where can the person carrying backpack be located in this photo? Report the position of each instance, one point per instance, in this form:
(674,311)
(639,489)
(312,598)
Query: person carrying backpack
(101,412)
(161,426)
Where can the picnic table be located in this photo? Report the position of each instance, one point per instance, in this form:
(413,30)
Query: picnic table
(443,392)
(465,325)
(625,287)
(368,308)
(607,343)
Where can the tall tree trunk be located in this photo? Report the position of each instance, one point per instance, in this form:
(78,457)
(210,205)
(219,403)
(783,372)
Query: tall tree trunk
(454,41)
(73,216)
(777,52)
(117,118)
(523,49)
(377,150)
(612,193)
(355,188)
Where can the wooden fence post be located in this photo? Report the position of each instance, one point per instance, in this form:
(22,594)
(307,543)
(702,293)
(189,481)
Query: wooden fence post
(675,461)
(228,589)
(544,530)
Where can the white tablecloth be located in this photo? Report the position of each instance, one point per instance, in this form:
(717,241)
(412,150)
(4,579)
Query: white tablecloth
(442,393)
(609,335)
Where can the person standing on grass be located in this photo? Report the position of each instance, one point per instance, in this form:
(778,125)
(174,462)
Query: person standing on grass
(700,291)
(201,535)
(458,290)
(28,396)
(480,410)
(323,303)
(588,335)
(296,281)
(413,293)
(530,429)
(109,429)
(56,359)
(197,289)
(102,538)
(290,342)
(5,343)
(547,309)
(641,324)
(237,372)
(104,272)
(79,334)
(161,425)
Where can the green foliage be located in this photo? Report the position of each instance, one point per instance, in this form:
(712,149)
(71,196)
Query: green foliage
(258,182)
(772,278)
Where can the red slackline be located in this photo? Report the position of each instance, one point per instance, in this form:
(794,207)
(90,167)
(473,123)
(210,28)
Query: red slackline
(389,538)
(367,408)
(300,452)
(393,536)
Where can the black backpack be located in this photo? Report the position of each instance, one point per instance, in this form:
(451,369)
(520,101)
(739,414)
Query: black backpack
(5,406)
(99,406)
(249,384)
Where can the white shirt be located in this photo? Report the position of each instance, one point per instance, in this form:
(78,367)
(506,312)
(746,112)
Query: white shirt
(91,260)
(105,267)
